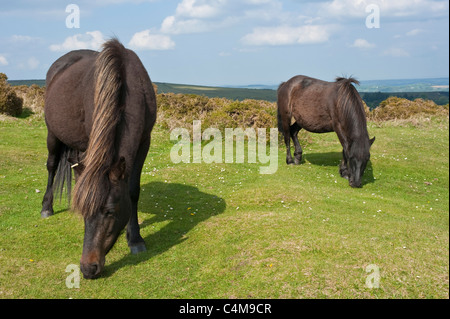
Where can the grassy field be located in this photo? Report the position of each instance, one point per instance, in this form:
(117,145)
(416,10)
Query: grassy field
(225,231)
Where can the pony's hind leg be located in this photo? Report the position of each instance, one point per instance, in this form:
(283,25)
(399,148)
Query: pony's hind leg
(294,129)
(284,126)
(54,149)
(287,141)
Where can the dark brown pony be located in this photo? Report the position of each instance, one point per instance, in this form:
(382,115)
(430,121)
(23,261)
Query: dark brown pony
(100,109)
(320,107)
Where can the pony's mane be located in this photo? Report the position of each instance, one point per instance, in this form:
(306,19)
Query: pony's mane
(92,188)
(350,104)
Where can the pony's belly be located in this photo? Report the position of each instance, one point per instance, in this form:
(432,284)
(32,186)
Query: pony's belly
(315,124)
(70,130)
(319,129)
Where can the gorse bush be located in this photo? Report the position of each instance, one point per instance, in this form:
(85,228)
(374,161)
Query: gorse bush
(10,103)
(33,97)
(180,110)
(395,108)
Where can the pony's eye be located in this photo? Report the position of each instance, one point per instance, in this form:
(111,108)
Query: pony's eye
(109,211)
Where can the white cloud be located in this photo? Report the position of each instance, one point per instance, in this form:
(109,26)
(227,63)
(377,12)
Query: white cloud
(258,1)
(173,25)
(109,2)
(362,44)
(144,40)
(414,32)
(196,16)
(22,38)
(284,35)
(398,8)
(32,63)
(396,53)
(90,40)
(199,8)
(3,60)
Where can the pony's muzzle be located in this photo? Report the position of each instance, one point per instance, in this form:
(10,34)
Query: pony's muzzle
(91,271)
(92,266)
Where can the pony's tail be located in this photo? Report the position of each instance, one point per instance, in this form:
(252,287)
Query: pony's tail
(279,120)
(63,175)
(89,191)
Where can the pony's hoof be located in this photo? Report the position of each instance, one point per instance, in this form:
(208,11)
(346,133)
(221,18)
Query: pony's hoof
(138,248)
(343,172)
(46,213)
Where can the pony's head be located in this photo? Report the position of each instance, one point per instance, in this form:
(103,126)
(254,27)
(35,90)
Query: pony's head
(358,157)
(106,212)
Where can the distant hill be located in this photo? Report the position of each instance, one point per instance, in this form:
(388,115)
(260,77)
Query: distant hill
(386,86)
(26,82)
(225,92)
(409,85)
(372,92)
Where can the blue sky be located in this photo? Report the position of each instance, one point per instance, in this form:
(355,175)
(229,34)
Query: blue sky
(236,42)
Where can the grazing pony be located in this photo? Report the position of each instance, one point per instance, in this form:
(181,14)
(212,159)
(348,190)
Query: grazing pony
(100,108)
(320,107)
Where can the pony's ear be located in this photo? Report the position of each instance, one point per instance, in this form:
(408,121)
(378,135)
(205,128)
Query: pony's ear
(372,140)
(117,172)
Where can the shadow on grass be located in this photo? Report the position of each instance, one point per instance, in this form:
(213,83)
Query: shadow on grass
(334,159)
(179,208)
(26,113)
(324,159)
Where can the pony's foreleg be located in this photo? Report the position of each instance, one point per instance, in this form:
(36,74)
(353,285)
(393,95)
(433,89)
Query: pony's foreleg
(135,241)
(294,129)
(54,148)
(343,169)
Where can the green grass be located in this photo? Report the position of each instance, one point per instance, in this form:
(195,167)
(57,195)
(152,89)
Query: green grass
(225,231)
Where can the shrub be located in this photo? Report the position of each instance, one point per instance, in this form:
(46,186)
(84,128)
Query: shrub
(180,110)
(33,97)
(10,103)
(395,108)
